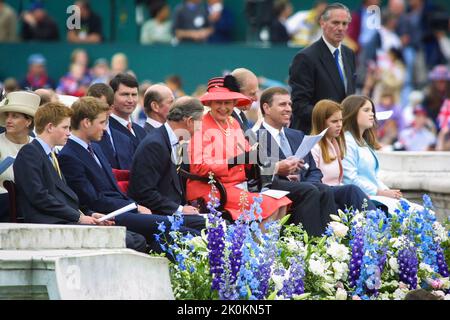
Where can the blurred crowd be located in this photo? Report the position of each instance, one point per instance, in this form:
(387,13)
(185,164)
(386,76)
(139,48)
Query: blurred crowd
(403,54)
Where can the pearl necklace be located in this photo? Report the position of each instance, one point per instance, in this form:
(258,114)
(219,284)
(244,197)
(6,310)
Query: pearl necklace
(227,131)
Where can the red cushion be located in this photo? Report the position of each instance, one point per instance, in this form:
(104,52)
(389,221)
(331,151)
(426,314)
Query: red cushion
(123,185)
(121,175)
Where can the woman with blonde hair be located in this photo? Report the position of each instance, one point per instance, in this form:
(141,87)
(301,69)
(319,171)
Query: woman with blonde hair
(329,152)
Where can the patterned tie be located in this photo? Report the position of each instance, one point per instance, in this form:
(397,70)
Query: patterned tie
(129,126)
(284,145)
(55,164)
(91,151)
(336,59)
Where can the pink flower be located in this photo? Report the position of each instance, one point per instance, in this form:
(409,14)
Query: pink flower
(356,298)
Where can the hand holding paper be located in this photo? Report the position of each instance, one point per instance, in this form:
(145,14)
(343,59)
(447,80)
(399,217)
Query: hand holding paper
(127,208)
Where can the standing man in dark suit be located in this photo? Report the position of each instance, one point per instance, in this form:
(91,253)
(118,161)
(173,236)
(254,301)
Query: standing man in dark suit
(154,181)
(158,99)
(116,146)
(125,88)
(43,195)
(324,70)
(88,172)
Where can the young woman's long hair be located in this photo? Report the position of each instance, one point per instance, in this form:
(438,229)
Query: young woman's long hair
(322,111)
(351,106)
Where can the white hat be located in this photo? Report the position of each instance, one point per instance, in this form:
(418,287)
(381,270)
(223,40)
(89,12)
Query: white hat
(19,101)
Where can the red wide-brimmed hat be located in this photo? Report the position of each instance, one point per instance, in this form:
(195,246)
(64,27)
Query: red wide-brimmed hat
(218,92)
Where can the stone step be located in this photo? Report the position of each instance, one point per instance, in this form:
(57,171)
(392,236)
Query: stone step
(83,275)
(18,236)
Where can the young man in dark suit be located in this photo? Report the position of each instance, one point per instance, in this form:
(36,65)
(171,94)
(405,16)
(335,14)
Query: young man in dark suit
(323,70)
(89,174)
(43,195)
(116,146)
(154,181)
(125,88)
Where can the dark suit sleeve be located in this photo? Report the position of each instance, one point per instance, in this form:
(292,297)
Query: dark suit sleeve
(29,171)
(301,80)
(313,173)
(90,198)
(150,165)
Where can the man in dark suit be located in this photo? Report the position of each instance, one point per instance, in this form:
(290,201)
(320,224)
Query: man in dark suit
(154,181)
(116,146)
(158,99)
(88,172)
(276,110)
(42,193)
(245,82)
(125,88)
(323,70)
(312,202)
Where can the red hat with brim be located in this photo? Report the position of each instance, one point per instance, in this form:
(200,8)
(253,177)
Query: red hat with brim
(217,92)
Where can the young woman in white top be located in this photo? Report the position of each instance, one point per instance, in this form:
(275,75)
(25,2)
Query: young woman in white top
(16,115)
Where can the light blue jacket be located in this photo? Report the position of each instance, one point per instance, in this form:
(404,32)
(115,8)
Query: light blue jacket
(361,167)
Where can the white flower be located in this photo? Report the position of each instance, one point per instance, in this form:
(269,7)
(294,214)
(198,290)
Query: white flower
(426,267)
(295,246)
(340,270)
(400,294)
(338,252)
(397,242)
(358,219)
(341,294)
(335,217)
(278,280)
(340,230)
(393,263)
(439,293)
(317,267)
(440,231)
(447,297)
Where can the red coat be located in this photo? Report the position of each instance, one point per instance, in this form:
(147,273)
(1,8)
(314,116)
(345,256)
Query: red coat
(209,150)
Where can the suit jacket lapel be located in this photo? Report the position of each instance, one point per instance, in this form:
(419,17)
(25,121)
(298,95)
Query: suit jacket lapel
(60,183)
(329,64)
(238,119)
(347,70)
(172,166)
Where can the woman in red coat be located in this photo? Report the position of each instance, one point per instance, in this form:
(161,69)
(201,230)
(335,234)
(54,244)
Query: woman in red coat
(220,139)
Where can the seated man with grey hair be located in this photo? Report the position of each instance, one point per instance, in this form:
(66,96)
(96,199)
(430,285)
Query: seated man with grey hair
(154,181)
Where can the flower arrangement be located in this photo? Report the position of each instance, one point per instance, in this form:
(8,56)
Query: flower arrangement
(362,255)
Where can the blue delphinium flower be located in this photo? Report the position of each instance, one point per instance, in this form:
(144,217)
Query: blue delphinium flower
(357,245)
(294,285)
(267,258)
(216,248)
(408,265)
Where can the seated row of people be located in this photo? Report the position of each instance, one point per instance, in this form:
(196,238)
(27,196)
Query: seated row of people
(93,148)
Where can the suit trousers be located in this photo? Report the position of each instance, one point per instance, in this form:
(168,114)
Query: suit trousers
(312,204)
(136,242)
(351,196)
